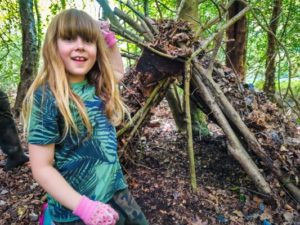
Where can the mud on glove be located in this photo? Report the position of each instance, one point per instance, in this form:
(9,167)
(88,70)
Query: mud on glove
(95,213)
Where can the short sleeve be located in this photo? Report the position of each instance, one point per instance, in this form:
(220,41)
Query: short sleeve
(43,121)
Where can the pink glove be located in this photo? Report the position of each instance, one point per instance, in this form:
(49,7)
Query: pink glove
(95,213)
(109,36)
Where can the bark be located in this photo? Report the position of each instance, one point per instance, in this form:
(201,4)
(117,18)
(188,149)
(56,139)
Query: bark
(175,106)
(236,45)
(38,23)
(30,52)
(10,143)
(269,85)
(188,10)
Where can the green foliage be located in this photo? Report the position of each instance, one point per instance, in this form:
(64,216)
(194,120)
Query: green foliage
(288,33)
(10,45)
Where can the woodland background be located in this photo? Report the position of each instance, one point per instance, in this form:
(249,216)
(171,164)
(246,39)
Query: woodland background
(261,50)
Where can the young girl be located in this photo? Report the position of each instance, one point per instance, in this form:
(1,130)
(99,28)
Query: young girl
(69,114)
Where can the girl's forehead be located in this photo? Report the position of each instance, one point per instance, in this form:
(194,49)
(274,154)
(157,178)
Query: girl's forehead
(82,27)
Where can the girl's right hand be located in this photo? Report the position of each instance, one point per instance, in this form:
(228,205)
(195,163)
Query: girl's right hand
(95,213)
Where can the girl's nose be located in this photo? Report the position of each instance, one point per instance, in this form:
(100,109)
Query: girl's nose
(79,43)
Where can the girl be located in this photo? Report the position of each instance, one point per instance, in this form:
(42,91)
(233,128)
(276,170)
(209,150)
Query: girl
(69,114)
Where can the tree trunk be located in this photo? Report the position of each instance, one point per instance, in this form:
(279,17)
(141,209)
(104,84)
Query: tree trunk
(188,10)
(30,52)
(269,85)
(175,106)
(236,45)
(9,139)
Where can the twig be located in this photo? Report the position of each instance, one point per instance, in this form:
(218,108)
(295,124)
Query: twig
(158,9)
(218,8)
(150,26)
(143,109)
(213,20)
(154,101)
(127,35)
(219,39)
(182,2)
(148,36)
(129,55)
(166,7)
(286,54)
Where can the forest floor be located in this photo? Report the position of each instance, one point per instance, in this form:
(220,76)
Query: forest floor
(157,170)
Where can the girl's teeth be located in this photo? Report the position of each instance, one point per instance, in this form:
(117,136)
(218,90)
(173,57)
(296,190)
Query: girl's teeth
(79,58)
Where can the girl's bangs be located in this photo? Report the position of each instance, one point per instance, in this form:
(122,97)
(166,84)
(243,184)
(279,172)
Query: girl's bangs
(76,23)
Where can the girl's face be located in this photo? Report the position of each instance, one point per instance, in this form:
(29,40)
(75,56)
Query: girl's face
(78,56)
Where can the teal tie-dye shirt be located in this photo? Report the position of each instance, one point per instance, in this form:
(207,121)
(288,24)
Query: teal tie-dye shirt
(90,165)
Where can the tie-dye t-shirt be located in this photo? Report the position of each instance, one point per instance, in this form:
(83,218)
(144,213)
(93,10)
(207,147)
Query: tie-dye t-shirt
(90,165)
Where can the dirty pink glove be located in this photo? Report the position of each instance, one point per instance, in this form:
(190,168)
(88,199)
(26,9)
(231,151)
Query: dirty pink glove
(109,36)
(95,213)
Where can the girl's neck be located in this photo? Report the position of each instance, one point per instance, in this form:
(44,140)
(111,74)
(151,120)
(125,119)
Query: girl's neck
(78,83)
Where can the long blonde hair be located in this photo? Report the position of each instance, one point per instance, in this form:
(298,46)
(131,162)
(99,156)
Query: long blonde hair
(70,24)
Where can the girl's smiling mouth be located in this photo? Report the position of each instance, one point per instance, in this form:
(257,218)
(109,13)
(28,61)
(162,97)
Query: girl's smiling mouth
(79,58)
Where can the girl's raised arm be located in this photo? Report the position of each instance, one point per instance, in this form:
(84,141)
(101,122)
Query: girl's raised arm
(116,62)
(114,54)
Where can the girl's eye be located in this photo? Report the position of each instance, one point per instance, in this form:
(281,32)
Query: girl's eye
(68,39)
(89,41)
